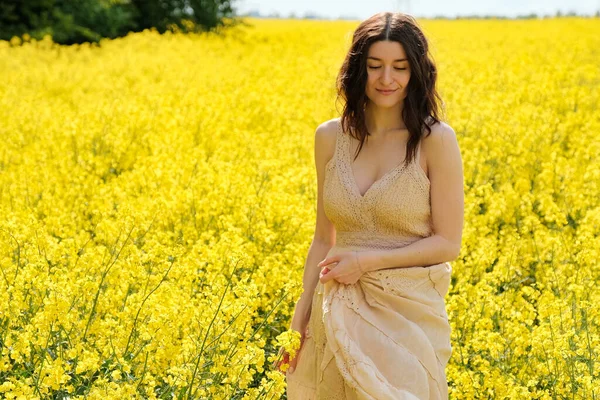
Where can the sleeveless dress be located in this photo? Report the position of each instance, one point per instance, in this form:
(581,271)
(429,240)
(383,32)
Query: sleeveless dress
(387,336)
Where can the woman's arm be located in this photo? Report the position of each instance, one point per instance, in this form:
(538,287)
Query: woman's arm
(323,241)
(324,237)
(427,251)
(318,250)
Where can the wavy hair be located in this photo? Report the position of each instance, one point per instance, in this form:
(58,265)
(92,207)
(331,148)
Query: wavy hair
(422,102)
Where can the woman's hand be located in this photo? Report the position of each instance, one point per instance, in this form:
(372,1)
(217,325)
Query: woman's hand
(343,267)
(283,356)
(300,324)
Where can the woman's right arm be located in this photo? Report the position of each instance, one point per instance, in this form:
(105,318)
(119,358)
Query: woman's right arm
(324,237)
(323,240)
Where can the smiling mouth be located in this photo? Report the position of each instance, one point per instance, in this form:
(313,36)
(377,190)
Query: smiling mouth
(386,91)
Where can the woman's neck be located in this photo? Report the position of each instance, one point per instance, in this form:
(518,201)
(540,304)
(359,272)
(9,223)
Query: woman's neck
(380,121)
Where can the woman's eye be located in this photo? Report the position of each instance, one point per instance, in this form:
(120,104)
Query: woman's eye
(399,69)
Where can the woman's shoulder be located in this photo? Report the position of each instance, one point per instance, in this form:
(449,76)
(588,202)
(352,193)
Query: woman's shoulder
(325,138)
(333,123)
(441,140)
(439,129)
(327,130)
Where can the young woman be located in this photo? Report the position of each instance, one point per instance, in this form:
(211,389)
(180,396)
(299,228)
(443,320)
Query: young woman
(389,220)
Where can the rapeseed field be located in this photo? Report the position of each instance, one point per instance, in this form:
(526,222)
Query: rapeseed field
(158,199)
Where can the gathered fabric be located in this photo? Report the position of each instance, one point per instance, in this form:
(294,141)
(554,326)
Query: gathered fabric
(387,336)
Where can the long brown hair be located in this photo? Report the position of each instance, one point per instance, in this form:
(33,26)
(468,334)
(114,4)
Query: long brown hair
(422,102)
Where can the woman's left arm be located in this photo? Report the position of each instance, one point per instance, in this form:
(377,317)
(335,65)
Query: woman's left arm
(444,164)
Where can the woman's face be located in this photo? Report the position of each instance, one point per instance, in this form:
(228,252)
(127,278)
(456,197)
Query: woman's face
(387,69)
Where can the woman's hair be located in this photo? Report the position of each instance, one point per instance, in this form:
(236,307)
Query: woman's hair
(421,104)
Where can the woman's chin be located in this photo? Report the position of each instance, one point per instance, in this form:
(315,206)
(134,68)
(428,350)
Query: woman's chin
(387,104)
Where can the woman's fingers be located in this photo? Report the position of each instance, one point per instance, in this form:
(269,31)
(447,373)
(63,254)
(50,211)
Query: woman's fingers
(285,359)
(328,260)
(294,360)
(325,275)
(281,357)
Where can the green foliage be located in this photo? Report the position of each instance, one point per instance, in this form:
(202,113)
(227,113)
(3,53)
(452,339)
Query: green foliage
(81,21)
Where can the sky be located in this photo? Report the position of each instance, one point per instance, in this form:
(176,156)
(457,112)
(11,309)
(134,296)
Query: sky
(362,9)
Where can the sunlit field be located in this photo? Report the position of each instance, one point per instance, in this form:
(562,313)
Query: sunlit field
(158,199)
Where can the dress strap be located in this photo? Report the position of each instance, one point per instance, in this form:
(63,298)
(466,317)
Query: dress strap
(339,140)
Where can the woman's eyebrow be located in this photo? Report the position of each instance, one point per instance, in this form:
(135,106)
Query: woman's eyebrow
(379,59)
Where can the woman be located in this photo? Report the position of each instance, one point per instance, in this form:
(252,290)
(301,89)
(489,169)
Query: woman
(389,219)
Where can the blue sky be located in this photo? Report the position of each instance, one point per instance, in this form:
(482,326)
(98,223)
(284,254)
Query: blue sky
(362,9)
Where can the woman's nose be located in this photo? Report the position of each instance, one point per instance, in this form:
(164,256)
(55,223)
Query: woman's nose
(386,77)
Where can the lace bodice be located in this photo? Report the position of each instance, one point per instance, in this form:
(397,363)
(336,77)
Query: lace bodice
(393,212)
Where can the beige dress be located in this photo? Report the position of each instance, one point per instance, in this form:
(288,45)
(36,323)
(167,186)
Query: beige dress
(387,336)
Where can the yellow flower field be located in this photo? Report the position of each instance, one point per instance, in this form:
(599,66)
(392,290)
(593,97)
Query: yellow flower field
(158,194)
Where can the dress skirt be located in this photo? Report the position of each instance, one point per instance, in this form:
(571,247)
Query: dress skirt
(386,337)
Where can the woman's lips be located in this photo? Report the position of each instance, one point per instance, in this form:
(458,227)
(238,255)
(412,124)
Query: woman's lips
(386,92)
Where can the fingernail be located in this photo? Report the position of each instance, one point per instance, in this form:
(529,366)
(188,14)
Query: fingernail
(291,370)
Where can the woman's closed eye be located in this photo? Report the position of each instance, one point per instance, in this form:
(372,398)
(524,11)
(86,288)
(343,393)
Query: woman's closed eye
(399,69)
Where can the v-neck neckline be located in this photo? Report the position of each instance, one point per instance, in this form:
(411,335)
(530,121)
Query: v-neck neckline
(348,159)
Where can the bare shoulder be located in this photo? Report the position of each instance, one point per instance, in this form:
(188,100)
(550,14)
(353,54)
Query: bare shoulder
(440,131)
(327,131)
(443,151)
(441,139)
(325,136)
